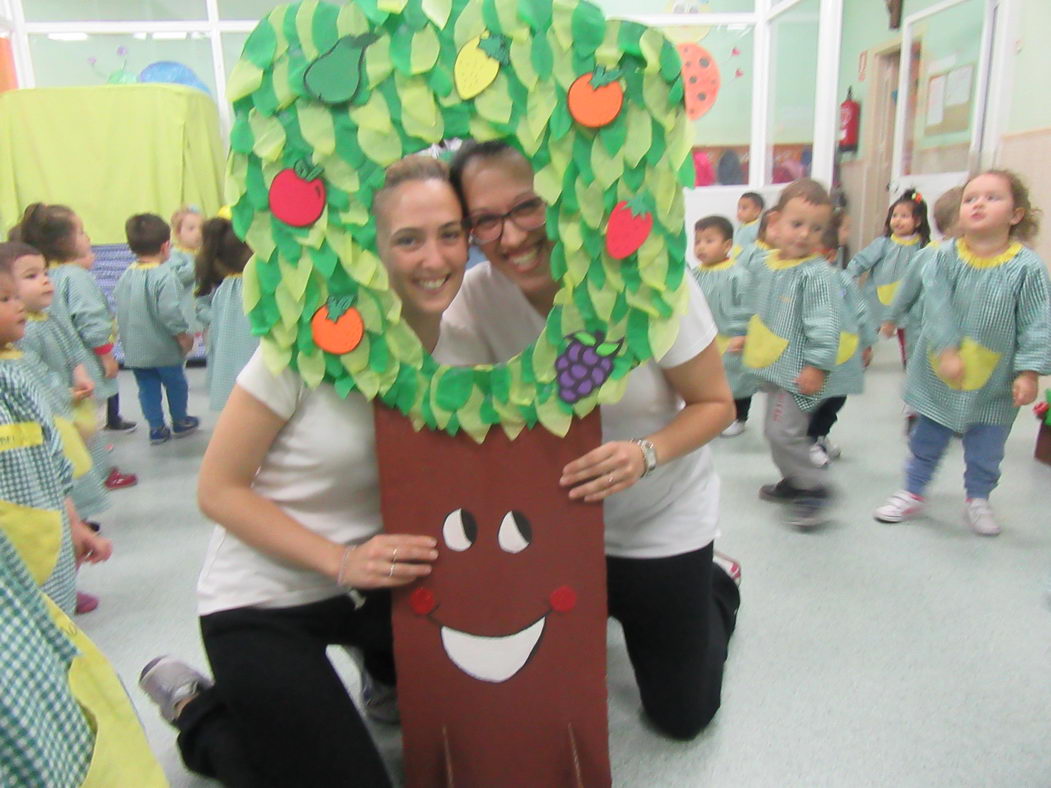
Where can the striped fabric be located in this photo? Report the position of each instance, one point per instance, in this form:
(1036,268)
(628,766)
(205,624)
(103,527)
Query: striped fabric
(857,332)
(45,739)
(34,472)
(230,340)
(81,303)
(997,312)
(906,310)
(725,287)
(886,260)
(795,322)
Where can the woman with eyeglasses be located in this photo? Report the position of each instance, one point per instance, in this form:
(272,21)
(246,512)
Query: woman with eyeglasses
(676,600)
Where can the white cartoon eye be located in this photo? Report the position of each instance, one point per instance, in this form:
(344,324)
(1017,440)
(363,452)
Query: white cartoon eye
(515,533)
(460,530)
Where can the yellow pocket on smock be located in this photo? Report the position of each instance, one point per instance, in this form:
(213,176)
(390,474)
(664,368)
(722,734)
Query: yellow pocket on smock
(762,346)
(121,755)
(73,446)
(978,365)
(885,293)
(36,534)
(848,346)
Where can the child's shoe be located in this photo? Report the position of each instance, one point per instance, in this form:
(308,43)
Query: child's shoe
(116,480)
(180,429)
(120,425)
(160,435)
(728,565)
(979,516)
(809,510)
(86,602)
(170,683)
(734,429)
(782,492)
(903,505)
(818,456)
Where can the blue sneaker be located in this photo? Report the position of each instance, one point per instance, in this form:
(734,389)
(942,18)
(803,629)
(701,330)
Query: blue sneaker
(160,435)
(183,428)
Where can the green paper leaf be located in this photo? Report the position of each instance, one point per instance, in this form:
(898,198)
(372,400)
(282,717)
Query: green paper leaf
(539,106)
(582,157)
(543,59)
(588,27)
(311,368)
(438,11)
(425,49)
(401,49)
(607,349)
(535,13)
(522,62)
(491,17)
(261,46)
(421,117)
(241,138)
(497,47)
(585,338)
(315,121)
(414,16)
(590,200)
(391,6)
(607,168)
(614,134)
(244,79)
(494,103)
(630,37)
(638,335)
(638,136)
(454,388)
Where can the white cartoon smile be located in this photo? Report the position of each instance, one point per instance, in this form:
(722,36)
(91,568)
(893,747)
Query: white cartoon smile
(493,659)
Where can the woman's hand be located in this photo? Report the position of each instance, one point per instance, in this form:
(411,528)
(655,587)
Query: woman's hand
(610,468)
(387,561)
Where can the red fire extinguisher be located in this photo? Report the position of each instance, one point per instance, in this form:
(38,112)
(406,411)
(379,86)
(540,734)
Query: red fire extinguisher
(849,124)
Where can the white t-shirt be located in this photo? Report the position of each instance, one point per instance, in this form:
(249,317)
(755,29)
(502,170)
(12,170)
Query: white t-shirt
(321,470)
(676,508)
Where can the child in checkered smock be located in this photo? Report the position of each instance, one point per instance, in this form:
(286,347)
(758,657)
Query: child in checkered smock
(35,474)
(725,284)
(186,243)
(230,341)
(986,338)
(51,343)
(792,344)
(887,259)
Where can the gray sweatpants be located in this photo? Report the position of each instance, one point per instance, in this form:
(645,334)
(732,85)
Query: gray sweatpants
(786,431)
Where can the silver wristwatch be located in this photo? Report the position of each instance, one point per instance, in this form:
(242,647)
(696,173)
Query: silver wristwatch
(649,454)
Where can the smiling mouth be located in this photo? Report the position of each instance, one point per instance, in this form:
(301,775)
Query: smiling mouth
(493,659)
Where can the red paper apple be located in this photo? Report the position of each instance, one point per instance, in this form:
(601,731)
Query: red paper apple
(629,226)
(297,194)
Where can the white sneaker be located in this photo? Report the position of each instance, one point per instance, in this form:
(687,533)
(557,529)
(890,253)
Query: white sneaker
(818,456)
(979,516)
(169,683)
(728,565)
(903,505)
(734,429)
(831,449)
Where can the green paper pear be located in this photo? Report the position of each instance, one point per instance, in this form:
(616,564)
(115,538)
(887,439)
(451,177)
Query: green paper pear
(334,77)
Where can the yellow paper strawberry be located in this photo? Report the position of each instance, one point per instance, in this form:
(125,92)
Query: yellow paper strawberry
(478,63)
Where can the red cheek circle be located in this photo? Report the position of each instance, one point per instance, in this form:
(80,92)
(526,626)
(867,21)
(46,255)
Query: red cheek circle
(422,601)
(563,599)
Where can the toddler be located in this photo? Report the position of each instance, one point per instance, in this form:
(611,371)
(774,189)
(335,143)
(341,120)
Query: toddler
(154,330)
(749,209)
(725,284)
(986,338)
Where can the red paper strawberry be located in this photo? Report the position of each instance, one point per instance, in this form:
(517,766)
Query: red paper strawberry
(297,194)
(629,225)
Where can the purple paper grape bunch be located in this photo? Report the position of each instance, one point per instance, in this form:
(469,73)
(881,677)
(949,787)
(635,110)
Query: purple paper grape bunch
(585,364)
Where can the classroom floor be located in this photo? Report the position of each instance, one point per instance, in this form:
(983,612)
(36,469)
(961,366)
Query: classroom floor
(865,654)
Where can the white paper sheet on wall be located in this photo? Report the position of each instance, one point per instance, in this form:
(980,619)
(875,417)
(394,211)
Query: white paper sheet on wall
(958,86)
(936,101)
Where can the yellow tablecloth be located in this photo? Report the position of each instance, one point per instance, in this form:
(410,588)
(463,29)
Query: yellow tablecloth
(108,152)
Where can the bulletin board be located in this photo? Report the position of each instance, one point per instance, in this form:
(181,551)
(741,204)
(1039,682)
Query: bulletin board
(950,96)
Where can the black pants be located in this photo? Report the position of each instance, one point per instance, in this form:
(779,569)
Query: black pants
(825,416)
(678,614)
(743,406)
(279,714)
(113,411)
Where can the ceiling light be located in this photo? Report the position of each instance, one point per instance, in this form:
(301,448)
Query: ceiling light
(68,36)
(169,36)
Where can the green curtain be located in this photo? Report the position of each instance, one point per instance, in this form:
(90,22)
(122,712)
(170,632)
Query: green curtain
(109,152)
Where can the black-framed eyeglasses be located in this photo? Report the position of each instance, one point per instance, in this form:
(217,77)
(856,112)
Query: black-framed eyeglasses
(527,215)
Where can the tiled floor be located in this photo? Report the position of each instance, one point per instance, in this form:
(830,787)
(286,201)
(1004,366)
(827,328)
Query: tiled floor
(865,654)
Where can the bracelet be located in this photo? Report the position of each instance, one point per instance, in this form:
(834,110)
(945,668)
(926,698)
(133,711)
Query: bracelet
(343,564)
(649,455)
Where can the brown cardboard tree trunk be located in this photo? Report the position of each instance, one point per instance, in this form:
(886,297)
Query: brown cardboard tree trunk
(501,651)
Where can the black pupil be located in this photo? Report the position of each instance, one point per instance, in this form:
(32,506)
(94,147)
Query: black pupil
(523,526)
(470,525)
